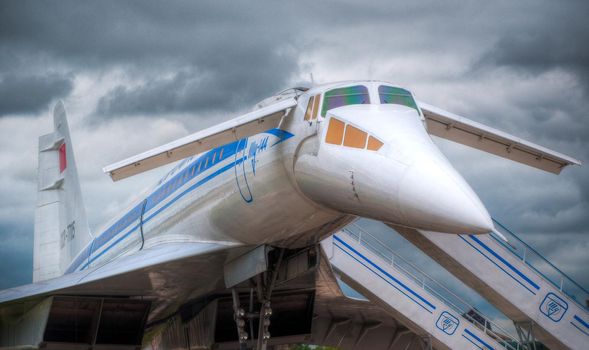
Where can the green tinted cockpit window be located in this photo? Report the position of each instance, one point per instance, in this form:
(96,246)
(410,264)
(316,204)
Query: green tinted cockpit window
(351,95)
(397,96)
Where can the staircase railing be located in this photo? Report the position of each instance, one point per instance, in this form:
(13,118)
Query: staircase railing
(541,265)
(432,286)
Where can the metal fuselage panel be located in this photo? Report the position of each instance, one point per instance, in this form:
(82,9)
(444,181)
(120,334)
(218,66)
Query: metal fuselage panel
(285,185)
(242,192)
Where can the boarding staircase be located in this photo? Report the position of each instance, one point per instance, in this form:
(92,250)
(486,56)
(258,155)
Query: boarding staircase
(411,296)
(543,302)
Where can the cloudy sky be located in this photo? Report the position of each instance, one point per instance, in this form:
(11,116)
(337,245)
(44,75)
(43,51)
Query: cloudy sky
(136,74)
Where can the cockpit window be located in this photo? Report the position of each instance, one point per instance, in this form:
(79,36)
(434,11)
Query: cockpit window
(312,106)
(397,96)
(309,111)
(374,144)
(351,136)
(335,132)
(351,95)
(355,137)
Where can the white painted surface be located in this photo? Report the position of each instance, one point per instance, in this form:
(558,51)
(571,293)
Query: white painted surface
(407,301)
(510,284)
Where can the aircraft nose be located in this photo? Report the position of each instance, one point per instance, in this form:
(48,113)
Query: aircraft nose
(437,198)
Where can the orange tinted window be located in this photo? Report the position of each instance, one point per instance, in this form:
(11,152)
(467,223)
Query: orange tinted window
(374,144)
(355,137)
(316,107)
(335,132)
(309,109)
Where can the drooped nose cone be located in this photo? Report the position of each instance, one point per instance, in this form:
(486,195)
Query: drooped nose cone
(407,181)
(437,198)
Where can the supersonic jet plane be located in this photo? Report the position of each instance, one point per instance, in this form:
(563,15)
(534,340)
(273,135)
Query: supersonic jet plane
(246,195)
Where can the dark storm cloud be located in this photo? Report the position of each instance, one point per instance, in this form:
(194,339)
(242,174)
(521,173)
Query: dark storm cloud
(202,86)
(544,46)
(99,33)
(195,55)
(31,94)
(16,251)
(222,87)
(549,36)
(551,112)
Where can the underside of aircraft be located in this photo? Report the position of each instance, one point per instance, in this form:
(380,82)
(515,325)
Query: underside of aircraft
(246,242)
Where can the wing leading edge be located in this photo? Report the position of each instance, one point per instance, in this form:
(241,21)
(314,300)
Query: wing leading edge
(133,274)
(462,130)
(243,126)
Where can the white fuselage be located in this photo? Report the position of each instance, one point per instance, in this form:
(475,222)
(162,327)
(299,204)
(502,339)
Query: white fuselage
(247,195)
(288,187)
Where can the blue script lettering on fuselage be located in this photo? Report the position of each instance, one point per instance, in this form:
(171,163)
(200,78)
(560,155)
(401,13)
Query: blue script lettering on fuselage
(256,148)
(167,187)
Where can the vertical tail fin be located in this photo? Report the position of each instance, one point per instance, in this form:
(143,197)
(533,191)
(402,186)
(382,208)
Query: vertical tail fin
(61,226)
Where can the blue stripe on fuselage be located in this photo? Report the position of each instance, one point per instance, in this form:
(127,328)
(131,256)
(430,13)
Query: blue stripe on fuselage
(196,185)
(199,166)
(196,168)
